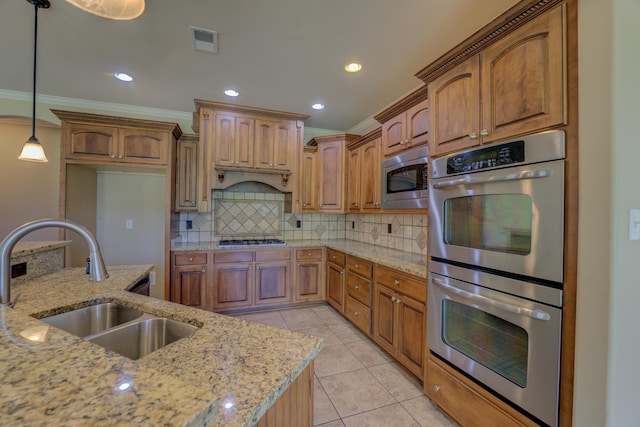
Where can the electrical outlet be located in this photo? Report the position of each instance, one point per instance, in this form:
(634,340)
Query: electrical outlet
(298,224)
(634,224)
(189,224)
(18,270)
(389,228)
(128,224)
(353,225)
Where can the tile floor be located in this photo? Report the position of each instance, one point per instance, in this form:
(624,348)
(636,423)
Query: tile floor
(357,384)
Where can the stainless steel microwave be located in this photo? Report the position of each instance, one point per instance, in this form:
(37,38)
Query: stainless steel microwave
(405,180)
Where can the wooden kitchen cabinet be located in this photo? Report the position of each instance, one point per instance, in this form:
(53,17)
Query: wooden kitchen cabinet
(308,281)
(399,317)
(336,279)
(106,139)
(186,188)
(358,288)
(406,130)
(190,278)
(234,139)
(332,172)
(233,280)
(274,144)
(364,173)
(309,175)
(273,277)
(515,86)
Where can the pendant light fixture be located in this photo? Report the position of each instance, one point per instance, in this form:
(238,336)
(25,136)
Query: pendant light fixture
(32,150)
(111,9)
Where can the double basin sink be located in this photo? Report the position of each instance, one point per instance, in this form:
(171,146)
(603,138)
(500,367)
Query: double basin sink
(127,331)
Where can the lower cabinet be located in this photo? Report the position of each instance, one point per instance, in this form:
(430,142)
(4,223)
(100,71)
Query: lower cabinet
(399,317)
(358,287)
(189,278)
(335,279)
(308,280)
(273,277)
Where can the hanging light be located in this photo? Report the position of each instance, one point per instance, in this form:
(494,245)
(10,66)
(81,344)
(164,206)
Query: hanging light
(32,150)
(111,9)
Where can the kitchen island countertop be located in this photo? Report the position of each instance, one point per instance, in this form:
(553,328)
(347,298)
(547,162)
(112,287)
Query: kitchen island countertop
(225,374)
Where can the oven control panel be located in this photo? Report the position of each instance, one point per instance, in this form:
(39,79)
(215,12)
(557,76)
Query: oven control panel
(487,157)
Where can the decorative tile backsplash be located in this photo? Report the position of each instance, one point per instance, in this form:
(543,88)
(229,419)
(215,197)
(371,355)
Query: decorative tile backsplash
(249,215)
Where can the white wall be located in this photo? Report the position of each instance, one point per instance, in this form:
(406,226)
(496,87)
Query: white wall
(28,190)
(139,197)
(608,341)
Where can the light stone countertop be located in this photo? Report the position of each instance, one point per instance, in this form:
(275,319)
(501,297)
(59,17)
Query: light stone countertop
(400,260)
(225,374)
(27,248)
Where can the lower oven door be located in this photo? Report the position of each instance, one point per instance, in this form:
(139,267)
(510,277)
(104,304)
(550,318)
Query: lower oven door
(509,344)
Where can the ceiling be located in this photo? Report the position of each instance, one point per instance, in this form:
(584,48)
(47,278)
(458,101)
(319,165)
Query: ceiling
(279,54)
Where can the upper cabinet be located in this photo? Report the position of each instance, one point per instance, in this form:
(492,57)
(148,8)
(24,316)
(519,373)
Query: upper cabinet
(364,173)
(186,191)
(514,86)
(274,144)
(106,139)
(406,123)
(234,140)
(309,174)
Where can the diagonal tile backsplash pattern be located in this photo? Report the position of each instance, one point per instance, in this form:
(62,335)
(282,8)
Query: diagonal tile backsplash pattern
(256,215)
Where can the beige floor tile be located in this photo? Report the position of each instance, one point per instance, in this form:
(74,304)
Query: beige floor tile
(323,410)
(328,337)
(388,416)
(335,359)
(368,353)
(301,318)
(348,333)
(427,413)
(272,318)
(397,381)
(330,316)
(355,392)
(336,423)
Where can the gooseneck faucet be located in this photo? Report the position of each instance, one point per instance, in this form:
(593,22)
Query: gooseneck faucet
(98,269)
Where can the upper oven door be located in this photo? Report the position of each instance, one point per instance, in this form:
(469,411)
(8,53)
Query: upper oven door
(507,219)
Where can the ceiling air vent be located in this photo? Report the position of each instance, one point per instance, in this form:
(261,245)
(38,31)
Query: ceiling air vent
(204,40)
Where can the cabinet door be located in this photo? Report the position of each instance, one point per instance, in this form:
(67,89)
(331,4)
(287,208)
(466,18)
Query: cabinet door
(411,345)
(370,176)
(188,285)
(273,283)
(244,140)
(232,285)
(186,176)
(309,173)
(454,105)
(384,318)
(233,140)
(354,180)
(143,146)
(331,177)
(283,145)
(91,142)
(418,124)
(335,286)
(523,80)
(308,283)
(394,134)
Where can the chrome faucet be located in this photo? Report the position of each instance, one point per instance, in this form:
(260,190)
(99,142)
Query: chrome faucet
(98,270)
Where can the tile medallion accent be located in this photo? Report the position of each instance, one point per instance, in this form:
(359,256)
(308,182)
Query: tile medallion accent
(247,217)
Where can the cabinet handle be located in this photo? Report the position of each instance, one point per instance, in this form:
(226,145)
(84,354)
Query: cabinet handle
(355,313)
(398,301)
(396,282)
(299,265)
(120,156)
(436,388)
(473,135)
(484,132)
(342,272)
(393,299)
(204,270)
(357,266)
(113,156)
(357,286)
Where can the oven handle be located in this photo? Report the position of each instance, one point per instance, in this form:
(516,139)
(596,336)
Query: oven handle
(514,176)
(536,314)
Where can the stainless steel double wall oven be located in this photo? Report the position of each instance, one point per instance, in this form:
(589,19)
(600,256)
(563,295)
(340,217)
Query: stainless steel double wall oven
(496,242)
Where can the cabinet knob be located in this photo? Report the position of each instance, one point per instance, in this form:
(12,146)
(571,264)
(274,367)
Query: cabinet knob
(342,272)
(299,265)
(204,270)
(398,301)
(436,388)
(396,282)
(113,156)
(473,135)
(355,313)
(120,156)
(193,203)
(357,286)
(308,253)
(393,299)
(190,259)
(484,132)
(357,266)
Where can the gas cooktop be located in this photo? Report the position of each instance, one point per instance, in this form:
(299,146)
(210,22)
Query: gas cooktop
(247,242)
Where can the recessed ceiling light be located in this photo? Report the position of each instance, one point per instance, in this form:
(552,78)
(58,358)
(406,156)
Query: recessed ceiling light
(231,92)
(123,77)
(318,106)
(354,67)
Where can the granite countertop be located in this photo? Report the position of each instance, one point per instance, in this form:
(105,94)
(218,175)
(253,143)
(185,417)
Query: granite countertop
(27,248)
(225,374)
(400,260)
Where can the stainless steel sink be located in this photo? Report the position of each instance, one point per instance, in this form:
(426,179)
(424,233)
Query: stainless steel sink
(142,337)
(93,319)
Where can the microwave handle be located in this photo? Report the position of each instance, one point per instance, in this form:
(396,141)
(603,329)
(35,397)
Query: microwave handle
(514,176)
(536,314)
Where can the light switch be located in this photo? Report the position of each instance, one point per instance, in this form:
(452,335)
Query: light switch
(634,224)
(129,224)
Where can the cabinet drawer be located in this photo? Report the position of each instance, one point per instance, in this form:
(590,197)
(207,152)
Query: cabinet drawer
(359,288)
(360,266)
(358,314)
(412,287)
(303,254)
(336,257)
(461,402)
(190,258)
(273,255)
(225,256)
